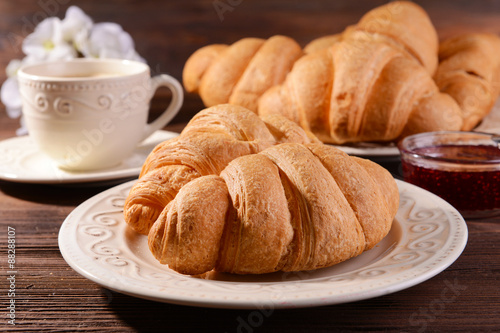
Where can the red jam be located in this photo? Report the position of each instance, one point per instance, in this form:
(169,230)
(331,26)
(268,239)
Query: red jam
(468,190)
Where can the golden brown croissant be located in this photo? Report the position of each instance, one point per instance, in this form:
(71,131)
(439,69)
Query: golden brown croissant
(359,90)
(291,207)
(240,73)
(213,138)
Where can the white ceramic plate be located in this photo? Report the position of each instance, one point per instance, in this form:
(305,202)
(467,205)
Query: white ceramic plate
(490,124)
(22,162)
(427,236)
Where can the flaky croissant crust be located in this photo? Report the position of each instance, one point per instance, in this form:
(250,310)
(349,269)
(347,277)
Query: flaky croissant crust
(291,207)
(212,139)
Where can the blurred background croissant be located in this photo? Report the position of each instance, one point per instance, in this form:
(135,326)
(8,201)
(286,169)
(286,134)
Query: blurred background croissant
(381,79)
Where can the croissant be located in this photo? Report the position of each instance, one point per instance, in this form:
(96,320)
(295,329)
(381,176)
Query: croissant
(290,207)
(240,73)
(357,90)
(214,137)
(361,90)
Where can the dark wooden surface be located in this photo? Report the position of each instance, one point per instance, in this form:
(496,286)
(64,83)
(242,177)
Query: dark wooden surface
(50,296)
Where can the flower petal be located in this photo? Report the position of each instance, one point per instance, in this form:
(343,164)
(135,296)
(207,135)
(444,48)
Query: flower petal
(109,40)
(62,52)
(11,98)
(13,67)
(75,24)
(29,60)
(23,130)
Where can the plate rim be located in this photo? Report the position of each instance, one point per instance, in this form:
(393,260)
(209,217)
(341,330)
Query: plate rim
(66,246)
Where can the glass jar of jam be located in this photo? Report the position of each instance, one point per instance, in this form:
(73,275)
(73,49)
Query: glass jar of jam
(463,168)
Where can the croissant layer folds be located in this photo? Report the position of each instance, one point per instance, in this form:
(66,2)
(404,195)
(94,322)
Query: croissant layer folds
(212,139)
(290,207)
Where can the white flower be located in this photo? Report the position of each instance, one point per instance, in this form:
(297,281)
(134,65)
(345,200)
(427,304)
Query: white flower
(108,40)
(76,27)
(47,42)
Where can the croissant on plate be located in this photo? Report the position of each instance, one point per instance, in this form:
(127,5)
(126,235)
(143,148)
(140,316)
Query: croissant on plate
(213,138)
(290,207)
(362,90)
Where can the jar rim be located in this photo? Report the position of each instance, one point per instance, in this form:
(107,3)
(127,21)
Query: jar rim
(409,145)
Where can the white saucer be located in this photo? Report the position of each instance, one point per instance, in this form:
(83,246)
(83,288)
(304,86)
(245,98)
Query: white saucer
(22,162)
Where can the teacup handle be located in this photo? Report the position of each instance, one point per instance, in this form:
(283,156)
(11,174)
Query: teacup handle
(164,80)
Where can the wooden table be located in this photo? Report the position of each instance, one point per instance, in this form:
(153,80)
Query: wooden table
(50,296)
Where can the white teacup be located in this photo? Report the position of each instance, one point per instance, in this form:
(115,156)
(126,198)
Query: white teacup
(90,114)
